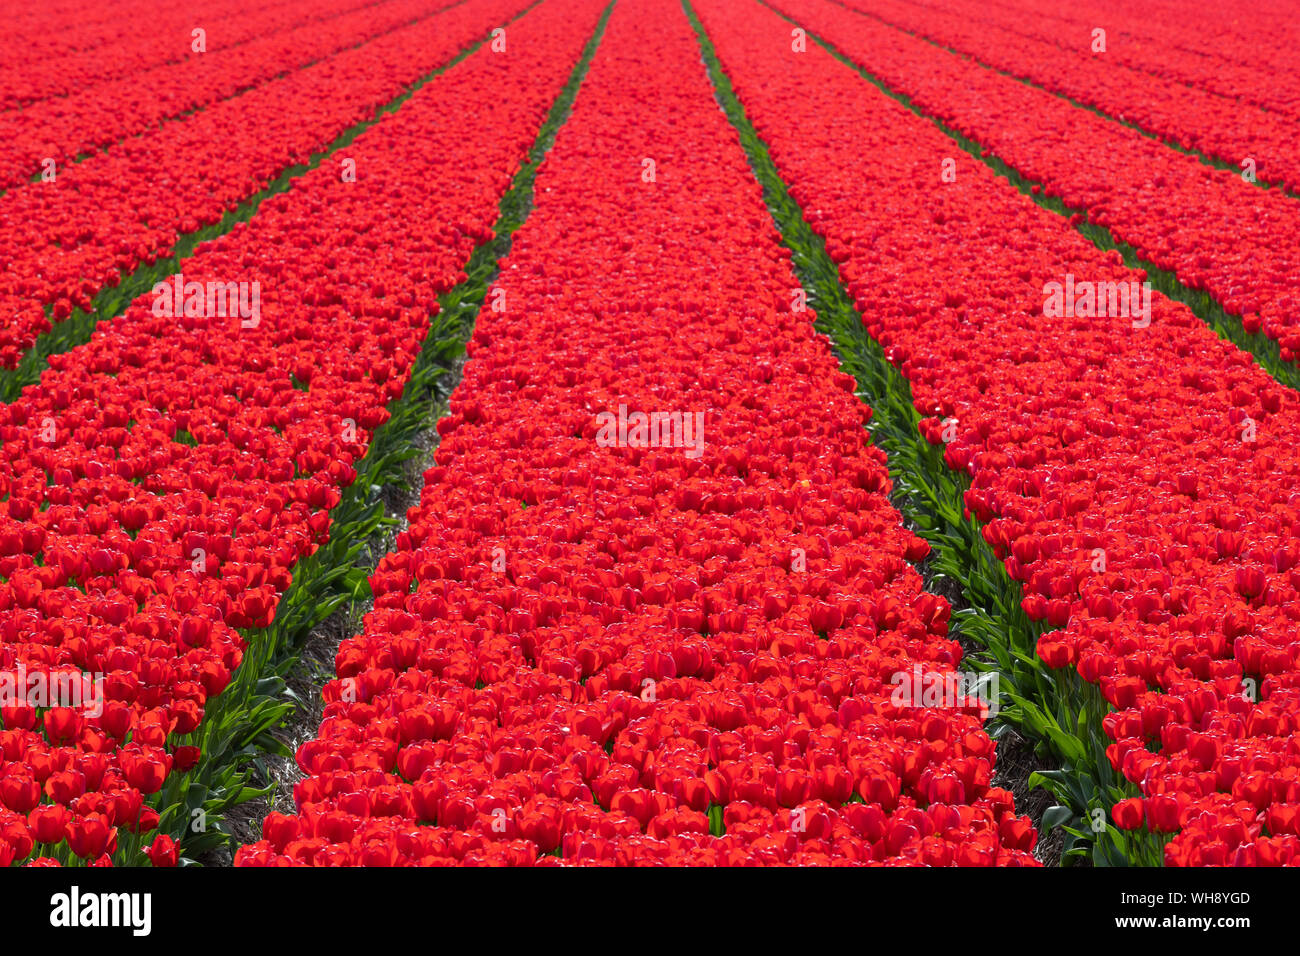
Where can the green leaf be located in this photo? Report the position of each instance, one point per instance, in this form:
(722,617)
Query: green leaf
(1055,816)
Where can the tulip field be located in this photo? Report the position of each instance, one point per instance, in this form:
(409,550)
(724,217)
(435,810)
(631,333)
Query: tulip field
(681,432)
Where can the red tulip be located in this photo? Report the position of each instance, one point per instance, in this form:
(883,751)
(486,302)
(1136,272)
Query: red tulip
(1128,814)
(163,851)
(19,793)
(91,836)
(49,823)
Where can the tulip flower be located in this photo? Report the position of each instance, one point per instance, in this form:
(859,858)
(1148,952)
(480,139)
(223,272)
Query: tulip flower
(163,851)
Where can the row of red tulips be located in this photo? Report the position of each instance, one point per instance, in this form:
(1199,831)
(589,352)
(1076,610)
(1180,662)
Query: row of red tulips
(1221,127)
(1139,480)
(105,217)
(595,650)
(53,49)
(162,481)
(1229,238)
(95,116)
(1250,56)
